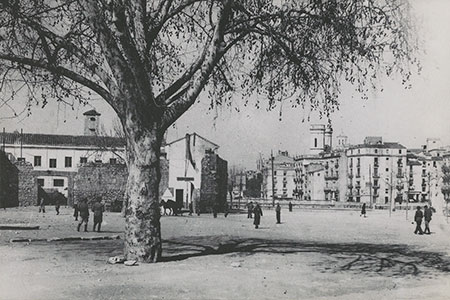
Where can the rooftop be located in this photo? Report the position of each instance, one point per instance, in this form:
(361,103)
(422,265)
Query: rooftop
(60,140)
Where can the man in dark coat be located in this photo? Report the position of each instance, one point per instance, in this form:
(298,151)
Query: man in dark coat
(363,210)
(83,208)
(418,219)
(249,210)
(278,211)
(98,210)
(57,205)
(257,211)
(75,211)
(427,215)
(290,206)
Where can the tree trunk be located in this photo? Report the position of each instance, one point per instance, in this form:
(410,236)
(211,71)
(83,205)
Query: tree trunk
(143,228)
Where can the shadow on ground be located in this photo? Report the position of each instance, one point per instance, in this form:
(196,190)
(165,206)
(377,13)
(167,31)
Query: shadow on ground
(394,260)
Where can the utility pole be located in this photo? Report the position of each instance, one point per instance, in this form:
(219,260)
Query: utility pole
(390,195)
(370,187)
(21,143)
(273,180)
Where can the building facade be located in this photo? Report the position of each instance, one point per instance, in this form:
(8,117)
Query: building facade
(376,172)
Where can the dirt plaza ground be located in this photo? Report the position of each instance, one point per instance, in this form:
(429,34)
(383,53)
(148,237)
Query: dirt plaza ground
(313,254)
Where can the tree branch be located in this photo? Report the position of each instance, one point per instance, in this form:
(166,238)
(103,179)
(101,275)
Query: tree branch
(64,72)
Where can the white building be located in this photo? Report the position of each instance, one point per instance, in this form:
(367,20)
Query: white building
(185,166)
(56,158)
(377,172)
(281,177)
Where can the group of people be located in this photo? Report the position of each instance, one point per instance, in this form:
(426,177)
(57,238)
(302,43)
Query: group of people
(419,216)
(82,210)
(256,211)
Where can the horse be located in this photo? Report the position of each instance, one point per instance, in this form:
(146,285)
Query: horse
(173,207)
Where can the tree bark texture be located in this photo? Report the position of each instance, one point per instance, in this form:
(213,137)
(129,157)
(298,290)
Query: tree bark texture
(143,227)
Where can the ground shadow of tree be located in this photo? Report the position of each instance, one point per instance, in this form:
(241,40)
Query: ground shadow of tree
(394,260)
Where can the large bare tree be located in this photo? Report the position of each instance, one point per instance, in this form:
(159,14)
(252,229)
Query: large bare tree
(150,60)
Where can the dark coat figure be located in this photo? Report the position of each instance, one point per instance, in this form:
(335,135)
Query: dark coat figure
(363,210)
(191,210)
(427,215)
(278,211)
(75,211)
(42,205)
(57,205)
(290,206)
(98,209)
(418,219)
(84,214)
(257,211)
(225,210)
(215,209)
(249,210)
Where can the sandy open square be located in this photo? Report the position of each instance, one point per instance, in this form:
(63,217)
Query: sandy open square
(313,254)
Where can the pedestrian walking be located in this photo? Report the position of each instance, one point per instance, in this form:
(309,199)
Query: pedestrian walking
(257,211)
(98,208)
(57,205)
(278,211)
(215,209)
(249,210)
(418,219)
(427,215)
(75,211)
(42,204)
(190,208)
(225,210)
(290,206)
(83,208)
(363,210)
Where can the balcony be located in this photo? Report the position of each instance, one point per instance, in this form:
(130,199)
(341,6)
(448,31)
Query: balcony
(376,175)
(376,164)
(331,177)
(350,185)
(358,176)
(376,186)
(350,175)
(358,186)
(400,175)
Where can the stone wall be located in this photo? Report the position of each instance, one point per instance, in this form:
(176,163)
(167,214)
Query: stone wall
(105,180)
(213,190)
(8,182)
(27,184)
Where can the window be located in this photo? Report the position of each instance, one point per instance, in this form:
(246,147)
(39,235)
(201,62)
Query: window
(58,182)
(284,185)
(83,160)
(21,159)
(113,161)
(315,142)
(52,163)
(386,191)
(399,151)
(99,161)
(376,150)
(387,169)
(434,164)
(284,173)
(37,161)
(68,162)
(92,119)
(386,200)
(40,181)
(387,158)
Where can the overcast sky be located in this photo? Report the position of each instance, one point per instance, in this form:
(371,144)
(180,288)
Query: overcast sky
(396,114)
